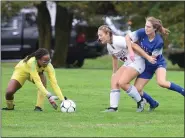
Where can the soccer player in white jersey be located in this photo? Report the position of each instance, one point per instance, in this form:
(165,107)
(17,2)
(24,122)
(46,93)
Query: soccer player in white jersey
(150,40)
(133,66)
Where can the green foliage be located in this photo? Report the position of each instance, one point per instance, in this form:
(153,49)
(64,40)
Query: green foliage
(171,14)
(10,8)
(99,63)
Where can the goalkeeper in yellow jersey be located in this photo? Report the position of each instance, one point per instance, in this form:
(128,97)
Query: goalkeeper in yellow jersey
(32,68)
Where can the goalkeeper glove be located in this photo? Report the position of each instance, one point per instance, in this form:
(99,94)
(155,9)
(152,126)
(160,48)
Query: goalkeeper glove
(52,99)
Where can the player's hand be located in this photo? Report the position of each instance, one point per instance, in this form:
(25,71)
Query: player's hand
(113,74)
(52,99)
(132,56)
(152,59)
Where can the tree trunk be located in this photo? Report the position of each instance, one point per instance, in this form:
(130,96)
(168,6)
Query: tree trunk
(44,26)
(62,36)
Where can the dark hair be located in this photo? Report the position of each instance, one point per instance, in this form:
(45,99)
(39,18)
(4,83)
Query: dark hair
(37,54)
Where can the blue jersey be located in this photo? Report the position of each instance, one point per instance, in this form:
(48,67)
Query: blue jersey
(154,47)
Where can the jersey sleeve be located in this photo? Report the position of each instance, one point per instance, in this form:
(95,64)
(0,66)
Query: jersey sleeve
(158,50)
(36,78)
(53,81)
(136,35)
(108,50)
(120,41)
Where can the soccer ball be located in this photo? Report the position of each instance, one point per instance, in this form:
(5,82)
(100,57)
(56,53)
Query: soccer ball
(68,106)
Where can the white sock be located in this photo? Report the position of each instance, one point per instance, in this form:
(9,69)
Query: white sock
(114,98)
(132,92)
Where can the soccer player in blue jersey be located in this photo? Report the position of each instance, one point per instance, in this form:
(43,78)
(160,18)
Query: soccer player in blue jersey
(151,41)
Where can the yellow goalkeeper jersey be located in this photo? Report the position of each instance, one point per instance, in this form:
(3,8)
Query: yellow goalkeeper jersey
(31,68)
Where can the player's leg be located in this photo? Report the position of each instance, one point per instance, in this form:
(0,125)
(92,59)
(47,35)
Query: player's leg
(40,96)
(140,84)
(161,80)
(13,86)
(124,82)
(141,81)
(16,82)
(115,91)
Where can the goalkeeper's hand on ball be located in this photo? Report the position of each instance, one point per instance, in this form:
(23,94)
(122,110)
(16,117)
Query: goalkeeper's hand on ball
(52,99)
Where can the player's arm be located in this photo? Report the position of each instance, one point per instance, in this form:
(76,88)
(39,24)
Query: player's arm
(114,64)
(36,78)
(133,36)
(53,81)
(129,46)
(141,52)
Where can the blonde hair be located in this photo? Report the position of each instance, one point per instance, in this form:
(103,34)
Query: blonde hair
(157,24)
(106,29)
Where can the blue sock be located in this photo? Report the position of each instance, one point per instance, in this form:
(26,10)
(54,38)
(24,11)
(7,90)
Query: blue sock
(149,99)
(176,88)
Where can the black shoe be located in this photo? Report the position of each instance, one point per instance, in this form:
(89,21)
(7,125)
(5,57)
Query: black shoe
(37,108)
(6,108)
(111,109)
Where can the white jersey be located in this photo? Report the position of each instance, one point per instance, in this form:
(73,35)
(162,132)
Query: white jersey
(119,49)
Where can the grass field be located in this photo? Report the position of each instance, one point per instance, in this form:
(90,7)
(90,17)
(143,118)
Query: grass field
(89,87)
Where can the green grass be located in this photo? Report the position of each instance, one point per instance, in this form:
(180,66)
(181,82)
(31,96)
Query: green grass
(89,87)
(104,62)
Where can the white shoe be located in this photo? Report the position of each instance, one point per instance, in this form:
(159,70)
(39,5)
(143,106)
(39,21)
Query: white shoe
(140,105)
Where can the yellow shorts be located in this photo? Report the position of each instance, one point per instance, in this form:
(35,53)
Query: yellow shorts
(21,76)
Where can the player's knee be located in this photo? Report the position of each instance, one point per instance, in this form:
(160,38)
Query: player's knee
(122,85)
(162,84)
(114,84)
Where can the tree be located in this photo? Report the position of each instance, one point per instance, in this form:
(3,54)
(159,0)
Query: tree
(64,18)
(171,14)
(62,36)
(44,26)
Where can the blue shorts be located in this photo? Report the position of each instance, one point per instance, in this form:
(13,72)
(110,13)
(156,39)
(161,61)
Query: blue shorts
(151,68)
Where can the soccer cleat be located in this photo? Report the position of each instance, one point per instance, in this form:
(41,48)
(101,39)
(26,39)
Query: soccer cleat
(152,108)
(111,109)
(140,105)
(6,108)
(37,108)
